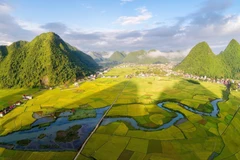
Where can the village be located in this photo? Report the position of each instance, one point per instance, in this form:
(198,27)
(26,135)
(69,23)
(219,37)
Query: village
(153,70)
(167,70)
(16,104)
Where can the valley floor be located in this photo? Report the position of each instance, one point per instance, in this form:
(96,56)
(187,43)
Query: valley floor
(195,136)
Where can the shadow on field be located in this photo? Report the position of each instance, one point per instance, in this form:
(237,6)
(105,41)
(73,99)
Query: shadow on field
(195,140)
(99,99)
(186,89)
(107,96)
(192,81)
(17,96)
(226,93)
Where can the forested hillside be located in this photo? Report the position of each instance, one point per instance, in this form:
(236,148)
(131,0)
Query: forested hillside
(46,60)
(202,61)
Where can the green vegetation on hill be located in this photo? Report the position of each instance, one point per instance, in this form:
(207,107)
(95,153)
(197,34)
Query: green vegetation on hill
(231,58)
(133,57)
(117,56)
(202,61)
(46,60)
(3,52)
(144,57)
(97,56)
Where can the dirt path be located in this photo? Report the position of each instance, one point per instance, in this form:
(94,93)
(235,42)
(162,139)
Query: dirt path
(80,150)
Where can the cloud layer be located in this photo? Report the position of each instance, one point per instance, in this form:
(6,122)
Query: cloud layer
(208,23)
(125,1)
(144,15)
(10,30)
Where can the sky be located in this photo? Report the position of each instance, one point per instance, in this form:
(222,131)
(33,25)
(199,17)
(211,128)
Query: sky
(124,25)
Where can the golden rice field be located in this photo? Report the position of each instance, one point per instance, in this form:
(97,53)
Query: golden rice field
(198,137)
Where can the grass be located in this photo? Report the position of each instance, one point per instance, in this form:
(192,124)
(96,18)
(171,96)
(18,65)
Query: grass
(114,147)
(41,136)
(68,135)
(92,94)
(138,156)
(23,142)
(10,96)
(196,138)
(83,113)
(189,140)
(95,142)
(23,155)
(154,146)
(110,129)
(157,118)
(138,145)
(121,130)
(126,154)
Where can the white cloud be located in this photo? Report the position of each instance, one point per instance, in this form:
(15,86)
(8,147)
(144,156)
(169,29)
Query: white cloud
(219,46)
(57,27)
(155,54)
(10,30)
(4,8)
(4,39)
(215,28)
(108,54)
(179,35)
(232,25)
(125,1)
(144,15)
(31,26)
(101,43)
(171,54)
(5,43)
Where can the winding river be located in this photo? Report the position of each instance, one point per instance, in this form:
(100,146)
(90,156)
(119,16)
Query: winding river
(87,125)
(179,116)
(48,142)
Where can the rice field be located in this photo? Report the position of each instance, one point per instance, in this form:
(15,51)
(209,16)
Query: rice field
(197,137)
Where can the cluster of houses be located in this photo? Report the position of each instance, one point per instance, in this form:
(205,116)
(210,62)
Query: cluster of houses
(27,97)
(153,70)
(213,80)
(110,76)
(127,65)
(145,74)
(10,108)
(140,75)
(92,77)
(168,70)
(98,74)
(129,76)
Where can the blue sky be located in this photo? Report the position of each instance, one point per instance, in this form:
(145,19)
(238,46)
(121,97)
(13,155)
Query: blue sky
(108,25)
(98,14)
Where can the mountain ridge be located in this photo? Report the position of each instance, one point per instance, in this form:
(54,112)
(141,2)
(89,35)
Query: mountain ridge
(117,56)
(46,60)
(202,61)
(144,57)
